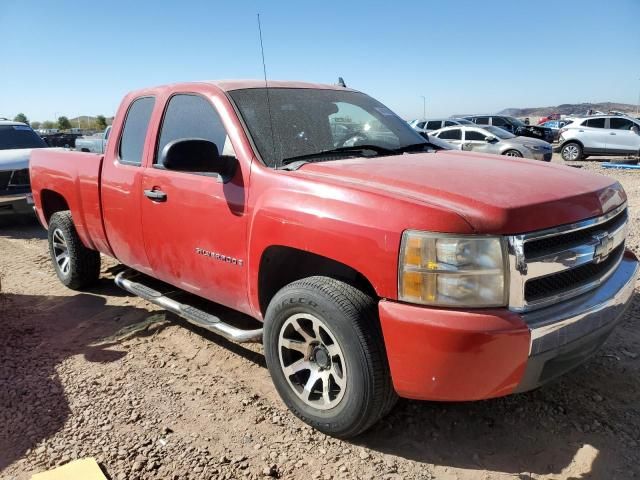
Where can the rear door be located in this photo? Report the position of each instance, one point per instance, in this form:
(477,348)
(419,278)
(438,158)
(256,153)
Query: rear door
(122,183)
(452,136)
(594,135)
(622,139)
(196,236)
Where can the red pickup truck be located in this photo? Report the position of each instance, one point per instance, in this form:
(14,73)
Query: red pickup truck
(380,263)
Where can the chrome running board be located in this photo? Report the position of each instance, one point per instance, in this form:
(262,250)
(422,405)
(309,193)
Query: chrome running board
(190,313)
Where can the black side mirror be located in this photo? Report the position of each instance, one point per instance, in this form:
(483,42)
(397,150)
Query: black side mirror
(197,155)
(490,139)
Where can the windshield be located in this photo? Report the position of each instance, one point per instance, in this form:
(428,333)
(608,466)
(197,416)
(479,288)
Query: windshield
(19,136)
(307,121)
(499,132)
(515,121)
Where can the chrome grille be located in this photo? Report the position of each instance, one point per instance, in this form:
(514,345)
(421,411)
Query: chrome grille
(550,266)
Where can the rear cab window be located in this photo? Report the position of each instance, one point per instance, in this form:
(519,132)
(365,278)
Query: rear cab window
(135,129)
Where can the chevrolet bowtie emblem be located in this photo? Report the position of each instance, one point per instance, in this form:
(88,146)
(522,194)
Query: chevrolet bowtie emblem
(604,245)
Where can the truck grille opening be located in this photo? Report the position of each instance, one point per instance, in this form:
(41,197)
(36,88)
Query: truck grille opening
(536,248)
(15,181)
(562,282)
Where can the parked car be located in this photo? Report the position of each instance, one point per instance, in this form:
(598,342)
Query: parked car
(490,139)
(555,126)
(381,267)
(599,135)
(513,125)
(429,125)
(16,142)
(60,139)
(552,116)
(94,143)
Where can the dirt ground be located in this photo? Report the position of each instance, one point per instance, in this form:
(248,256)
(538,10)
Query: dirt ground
(105,374)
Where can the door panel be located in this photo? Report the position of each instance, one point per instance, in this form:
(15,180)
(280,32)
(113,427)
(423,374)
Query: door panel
(121,193)
(195,226)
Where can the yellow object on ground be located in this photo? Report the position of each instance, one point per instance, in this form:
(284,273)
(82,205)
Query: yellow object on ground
(83,469)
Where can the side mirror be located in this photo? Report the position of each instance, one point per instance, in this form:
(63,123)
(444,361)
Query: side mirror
(197,155)
(490,139)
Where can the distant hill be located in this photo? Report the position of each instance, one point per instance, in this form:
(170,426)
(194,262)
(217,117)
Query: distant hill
(87,120)
(569,109)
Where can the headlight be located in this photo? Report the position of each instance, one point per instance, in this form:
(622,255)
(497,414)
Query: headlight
(535,148)
(452,271)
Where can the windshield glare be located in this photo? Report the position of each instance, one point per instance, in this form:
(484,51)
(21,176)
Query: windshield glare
(13,137)
(309,121)
(499,132)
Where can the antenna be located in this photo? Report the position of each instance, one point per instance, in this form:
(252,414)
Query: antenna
(266,87)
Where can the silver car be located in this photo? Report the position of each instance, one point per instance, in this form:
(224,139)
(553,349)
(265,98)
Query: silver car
(430,124)
(490,139)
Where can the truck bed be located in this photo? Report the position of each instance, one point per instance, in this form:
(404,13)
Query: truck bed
(74,178)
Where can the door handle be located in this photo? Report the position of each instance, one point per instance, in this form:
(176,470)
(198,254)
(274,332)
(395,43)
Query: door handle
(156,195)
(612,133)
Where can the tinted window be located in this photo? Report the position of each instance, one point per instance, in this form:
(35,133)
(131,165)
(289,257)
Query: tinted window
(482,120)
(448,123)
(19,136)
(192,116)
(135,130)
(434,125)
(420,124)
(620,123)
(453,134)
(499,122)
(474,135)
(594,123)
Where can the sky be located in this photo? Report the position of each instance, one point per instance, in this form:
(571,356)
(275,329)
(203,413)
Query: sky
(63,57)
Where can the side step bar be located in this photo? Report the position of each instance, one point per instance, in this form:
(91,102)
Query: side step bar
(192,314)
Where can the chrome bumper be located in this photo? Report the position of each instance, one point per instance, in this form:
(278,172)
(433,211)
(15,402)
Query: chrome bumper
(566,334)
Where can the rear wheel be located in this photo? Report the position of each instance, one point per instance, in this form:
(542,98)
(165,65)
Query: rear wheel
(571,152)
(513,153)
(77,266)
(325,353)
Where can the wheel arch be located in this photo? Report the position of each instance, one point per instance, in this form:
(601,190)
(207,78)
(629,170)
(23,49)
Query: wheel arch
(52,202)
(280,265)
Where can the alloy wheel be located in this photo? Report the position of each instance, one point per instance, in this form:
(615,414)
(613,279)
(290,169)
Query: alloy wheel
(312,361)
(61,252)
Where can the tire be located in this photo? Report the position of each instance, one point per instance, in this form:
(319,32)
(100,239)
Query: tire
(513,153)
(571,152)
(332,328)
(77,266)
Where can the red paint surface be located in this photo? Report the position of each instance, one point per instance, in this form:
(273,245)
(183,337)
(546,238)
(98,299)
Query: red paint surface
(437,354)
(352,211)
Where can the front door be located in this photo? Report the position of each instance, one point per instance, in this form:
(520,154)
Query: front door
(623,137)
(194,226)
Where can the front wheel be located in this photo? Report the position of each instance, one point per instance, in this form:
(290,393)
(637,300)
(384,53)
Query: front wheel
(571,152)
(513,153)
(325,353)
(77,266)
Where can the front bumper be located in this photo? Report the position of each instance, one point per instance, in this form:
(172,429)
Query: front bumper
(450,355)
(16,204)
(543,156)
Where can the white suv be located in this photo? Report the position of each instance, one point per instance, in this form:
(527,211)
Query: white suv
(599,135)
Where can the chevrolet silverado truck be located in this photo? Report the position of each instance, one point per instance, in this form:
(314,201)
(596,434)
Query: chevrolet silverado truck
(377,265)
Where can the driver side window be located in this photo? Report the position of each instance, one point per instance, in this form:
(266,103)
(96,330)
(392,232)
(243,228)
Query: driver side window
(354,122)
(192,116)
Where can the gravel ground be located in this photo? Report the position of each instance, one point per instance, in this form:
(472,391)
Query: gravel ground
(106,375)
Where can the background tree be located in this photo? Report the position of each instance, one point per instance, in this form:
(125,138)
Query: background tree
(49,124)
(35,125)
(21,117)
(101,122)
(64,123)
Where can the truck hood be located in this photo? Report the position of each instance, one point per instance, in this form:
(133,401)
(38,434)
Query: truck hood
(494,194)
(17,159)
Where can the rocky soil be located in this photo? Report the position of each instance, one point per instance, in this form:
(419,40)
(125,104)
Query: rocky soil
(104,374)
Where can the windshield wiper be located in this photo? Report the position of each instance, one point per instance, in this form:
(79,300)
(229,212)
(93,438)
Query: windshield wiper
(356,150)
